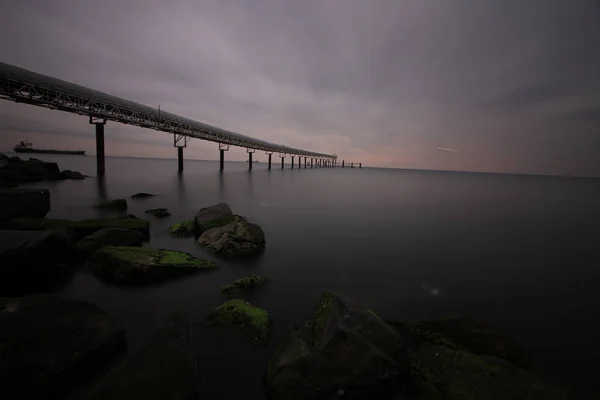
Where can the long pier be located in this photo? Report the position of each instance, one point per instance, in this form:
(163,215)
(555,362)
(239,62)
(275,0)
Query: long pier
(24,86)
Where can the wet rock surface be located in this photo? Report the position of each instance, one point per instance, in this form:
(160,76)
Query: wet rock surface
(213,216)
(48,344)
(252,321)
(109,237)
(17,170)
(24,203)
(236,239)
(183,229)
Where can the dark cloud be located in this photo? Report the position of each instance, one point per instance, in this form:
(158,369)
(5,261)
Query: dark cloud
(386,82)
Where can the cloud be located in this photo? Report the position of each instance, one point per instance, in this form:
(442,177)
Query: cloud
(379,83)
(447,149)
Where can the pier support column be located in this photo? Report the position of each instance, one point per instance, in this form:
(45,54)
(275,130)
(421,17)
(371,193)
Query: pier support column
(99,122)
(359,165)
(282,159)
(222,149)
(180,159)
(292,162)
(311,162)
(342,163)
(270,154)
(304,162)
(351,165)
(250,155)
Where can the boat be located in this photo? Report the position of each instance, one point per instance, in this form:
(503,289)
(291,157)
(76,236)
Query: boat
(26,147)
(254,161)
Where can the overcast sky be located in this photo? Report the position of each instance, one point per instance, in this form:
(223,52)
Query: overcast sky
(483,85)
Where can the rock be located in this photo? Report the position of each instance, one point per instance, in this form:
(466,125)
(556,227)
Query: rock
(252,321)
(81,228)
(158,212)
(135,265)
(109,237)
(164,368)
(49,344)
(474,335)
(24,203)
(33,261)
(68,174)
(238,238)
(118,204)
(183,229)
(142,195)
(16,170)
(213,216)
(7,184)
(343,346)
(245,284)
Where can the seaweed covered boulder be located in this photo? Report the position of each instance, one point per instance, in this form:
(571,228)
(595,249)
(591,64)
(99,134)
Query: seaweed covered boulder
(344,349)
(81,228)
(24,203)
(237,239)
(183,229)
(243,285)
(136,265)
(461,358)
(248,319)
(213,216)
(109,237)
(164,368)
(34,261)
(49,344)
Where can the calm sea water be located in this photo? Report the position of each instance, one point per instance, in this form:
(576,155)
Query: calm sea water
(518,251)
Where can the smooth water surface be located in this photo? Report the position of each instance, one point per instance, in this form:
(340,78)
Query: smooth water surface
(517,251)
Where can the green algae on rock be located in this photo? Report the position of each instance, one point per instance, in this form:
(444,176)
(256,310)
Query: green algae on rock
(81,228)
(183,229)
(245,284)
(158,212)
(135,265)
(109,237)
(252,321)
(164,368)
(236,239)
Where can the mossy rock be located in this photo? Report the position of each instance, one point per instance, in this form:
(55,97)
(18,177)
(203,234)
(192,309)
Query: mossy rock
(135,265)
(243,285)
(252,321)
(213,217)
(117,204)
(183,229)
(236,239)
(158,212)
(164,368)
(81,228)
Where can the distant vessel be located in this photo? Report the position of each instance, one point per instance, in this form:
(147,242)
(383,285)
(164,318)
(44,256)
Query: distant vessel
(25,147)
(255,160)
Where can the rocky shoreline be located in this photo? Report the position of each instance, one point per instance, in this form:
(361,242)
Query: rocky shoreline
(342,351)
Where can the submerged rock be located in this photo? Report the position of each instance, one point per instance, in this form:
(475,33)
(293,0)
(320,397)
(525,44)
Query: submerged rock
(24,203)
(68,174)
(49,344)
(135,265)
(183,229)
(14,169)
(342,348)
(252,321)
(81,228)
(109,237)
(158,212)
(165,368)
(118,204)
(213,216)
(245,284)
(33,261)
(238,238)
(142,195)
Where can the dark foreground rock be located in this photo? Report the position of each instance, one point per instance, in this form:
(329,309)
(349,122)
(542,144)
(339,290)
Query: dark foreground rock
(117,204)
(183,229)
(158,212)
(250,320)
(142,195)
(243,285)
(24,203)
(164,368)
(81,228)
(17,170)
(342,350)
(213,216)
(33,261)
(49,344)
(136,266)
(109,237)
(7,184)
(236,239)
